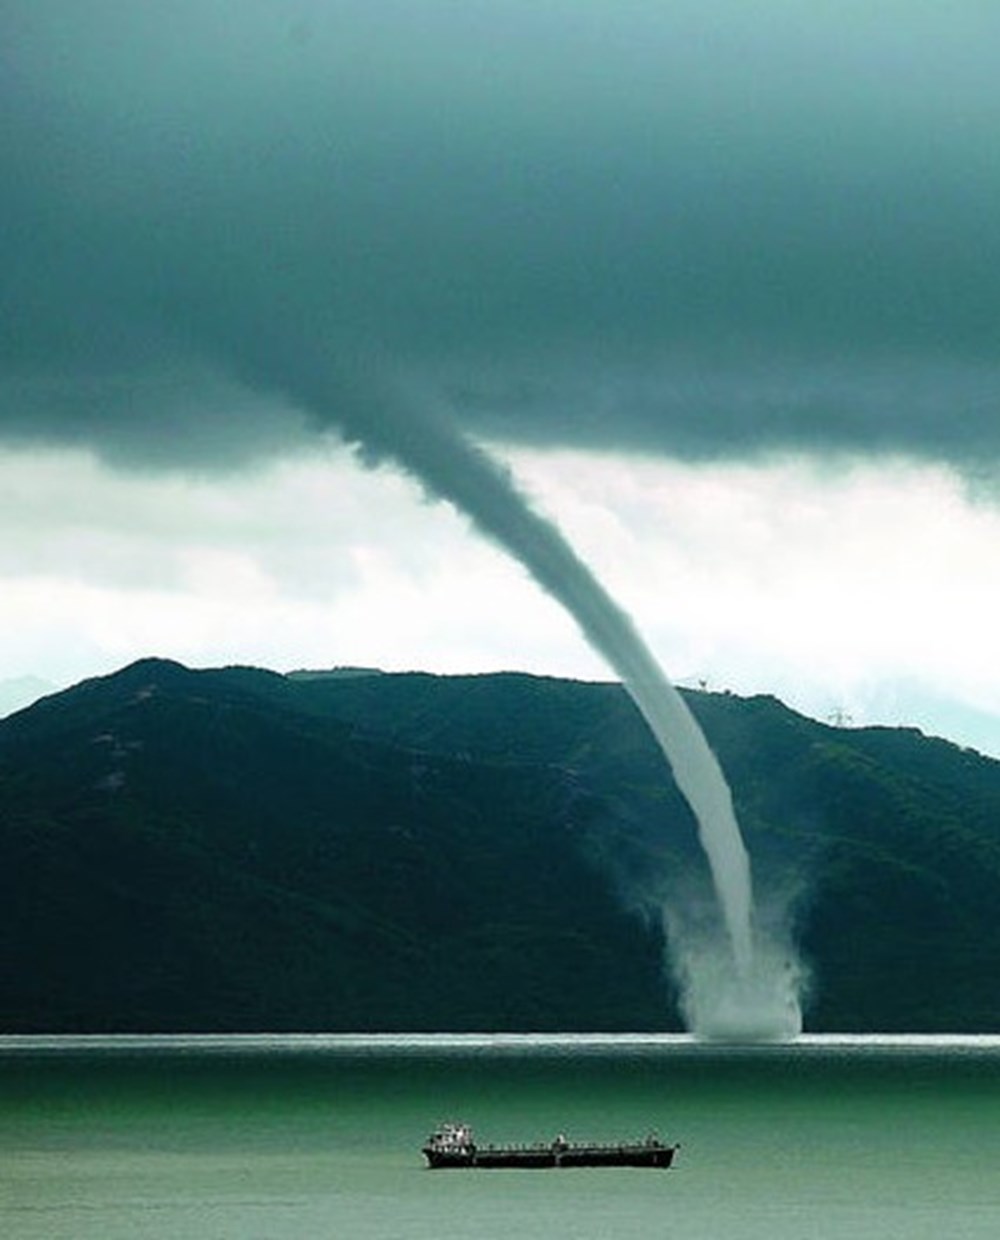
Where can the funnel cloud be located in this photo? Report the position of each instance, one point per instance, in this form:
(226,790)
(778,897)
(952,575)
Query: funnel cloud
(423,443)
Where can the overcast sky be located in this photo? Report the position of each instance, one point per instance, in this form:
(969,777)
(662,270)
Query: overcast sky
(719,281)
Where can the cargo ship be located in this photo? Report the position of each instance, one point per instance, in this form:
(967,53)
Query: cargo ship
(454,1146)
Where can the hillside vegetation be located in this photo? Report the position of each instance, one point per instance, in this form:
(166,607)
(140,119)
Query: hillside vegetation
(238,850)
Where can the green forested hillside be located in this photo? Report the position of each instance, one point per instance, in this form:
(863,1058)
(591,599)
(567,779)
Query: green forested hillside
(235,849)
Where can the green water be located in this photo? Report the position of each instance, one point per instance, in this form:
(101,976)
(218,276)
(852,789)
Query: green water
(276,1138)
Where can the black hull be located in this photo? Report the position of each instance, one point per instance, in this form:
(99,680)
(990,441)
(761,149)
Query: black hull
(547,1157)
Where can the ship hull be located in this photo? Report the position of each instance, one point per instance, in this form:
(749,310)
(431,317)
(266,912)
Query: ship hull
(542,1157)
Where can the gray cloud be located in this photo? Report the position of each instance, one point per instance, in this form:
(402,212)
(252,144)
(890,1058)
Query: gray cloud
(708,230)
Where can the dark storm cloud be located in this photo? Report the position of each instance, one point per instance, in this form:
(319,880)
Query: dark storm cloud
(704,229)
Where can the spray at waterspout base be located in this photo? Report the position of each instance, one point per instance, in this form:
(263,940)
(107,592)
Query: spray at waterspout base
(722,999)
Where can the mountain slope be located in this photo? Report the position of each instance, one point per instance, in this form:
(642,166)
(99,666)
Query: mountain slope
(234,849)
(183,850)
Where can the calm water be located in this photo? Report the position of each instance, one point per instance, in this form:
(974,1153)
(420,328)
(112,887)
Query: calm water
(318,1137)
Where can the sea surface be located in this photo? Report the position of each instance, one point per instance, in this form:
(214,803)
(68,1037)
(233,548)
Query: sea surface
(263,1138)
